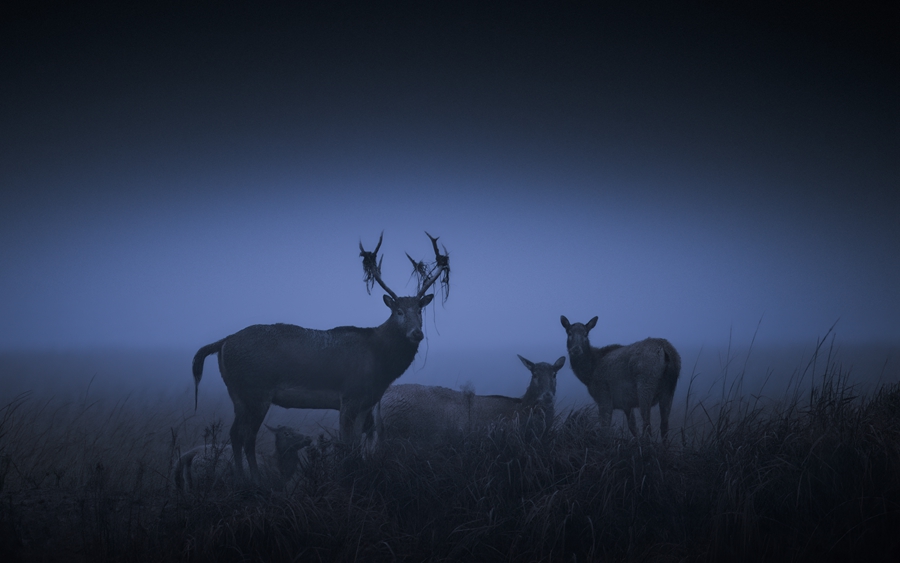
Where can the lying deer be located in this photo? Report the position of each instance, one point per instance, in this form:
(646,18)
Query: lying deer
(423,412)
(208,465)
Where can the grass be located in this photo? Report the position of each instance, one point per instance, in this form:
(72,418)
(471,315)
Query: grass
(814,476)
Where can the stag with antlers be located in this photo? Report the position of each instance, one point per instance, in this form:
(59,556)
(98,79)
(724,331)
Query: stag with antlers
(345,368)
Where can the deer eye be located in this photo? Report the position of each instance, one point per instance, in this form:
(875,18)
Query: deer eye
(400,312)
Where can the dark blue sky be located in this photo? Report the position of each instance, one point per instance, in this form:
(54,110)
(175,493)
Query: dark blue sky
(169,177)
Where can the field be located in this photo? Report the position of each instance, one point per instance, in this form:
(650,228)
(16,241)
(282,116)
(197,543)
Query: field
(812,475)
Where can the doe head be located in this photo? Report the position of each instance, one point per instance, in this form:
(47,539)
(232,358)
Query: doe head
(289,440)
(406,313)
(542,388)
(577,341)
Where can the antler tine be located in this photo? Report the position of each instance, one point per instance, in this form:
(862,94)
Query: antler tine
(434,244)
(381,282)
(380,238)
(363,252)
(442,264)
(372,268)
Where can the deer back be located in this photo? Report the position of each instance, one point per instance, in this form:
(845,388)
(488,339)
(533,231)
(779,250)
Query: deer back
(421,412)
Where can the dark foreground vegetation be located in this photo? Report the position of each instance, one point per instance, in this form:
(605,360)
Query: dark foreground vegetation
(814,476)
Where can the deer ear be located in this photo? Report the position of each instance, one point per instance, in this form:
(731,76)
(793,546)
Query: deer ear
(591,323)
(559,364)
(564,321)
(423,302)
(529,365)
(389,301)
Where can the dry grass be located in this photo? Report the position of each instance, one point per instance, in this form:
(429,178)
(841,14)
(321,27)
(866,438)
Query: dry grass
(813,476)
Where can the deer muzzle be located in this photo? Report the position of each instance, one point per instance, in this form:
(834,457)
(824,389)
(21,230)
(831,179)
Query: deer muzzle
(546,399)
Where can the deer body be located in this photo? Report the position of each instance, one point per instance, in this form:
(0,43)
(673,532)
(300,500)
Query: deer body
(345,368)
(423,412)
(639,375)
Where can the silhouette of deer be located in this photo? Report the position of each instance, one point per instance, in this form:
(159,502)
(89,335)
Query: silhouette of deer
(345,368)
(424,412)
(639,375)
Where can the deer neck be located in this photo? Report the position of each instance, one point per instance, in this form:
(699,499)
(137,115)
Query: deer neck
(583,363)
(530,398)
(531,402)
(395,351)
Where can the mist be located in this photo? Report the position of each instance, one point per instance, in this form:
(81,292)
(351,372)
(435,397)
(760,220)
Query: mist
(720,179)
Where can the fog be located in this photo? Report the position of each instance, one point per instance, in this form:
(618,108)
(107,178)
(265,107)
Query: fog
(717,179)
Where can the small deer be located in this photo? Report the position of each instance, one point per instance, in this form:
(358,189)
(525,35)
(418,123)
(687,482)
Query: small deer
(289,449)
(423,413)
(625,377)
(345,368)
(211,463)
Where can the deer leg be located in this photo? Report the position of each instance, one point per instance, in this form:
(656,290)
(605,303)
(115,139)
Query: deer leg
(645,418)
(347,422)
(645,401)
(605,418)
(604,409)
(354,421)
(369,422)
(364,421)
(255,420)
(632,424)
(237,439)
(248,417)
(665,408)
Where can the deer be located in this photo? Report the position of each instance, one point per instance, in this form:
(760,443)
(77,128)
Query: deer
(209,464)
(421,413)
(639,375)
(346,368)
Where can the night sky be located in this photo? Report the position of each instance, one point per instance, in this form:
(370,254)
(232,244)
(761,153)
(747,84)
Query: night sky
(170,176)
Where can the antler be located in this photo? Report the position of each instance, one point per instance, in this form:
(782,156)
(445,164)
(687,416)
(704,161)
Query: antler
(441,266)
(427,274)
(372,268)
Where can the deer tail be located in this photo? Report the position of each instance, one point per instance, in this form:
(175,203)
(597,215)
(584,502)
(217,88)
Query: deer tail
(197,366)
(672,367)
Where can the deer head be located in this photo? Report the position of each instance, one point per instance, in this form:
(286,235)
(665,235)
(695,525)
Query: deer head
(407,311)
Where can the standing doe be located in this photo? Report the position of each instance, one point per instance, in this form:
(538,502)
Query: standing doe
(422,412)
(345,368)
(624,377)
